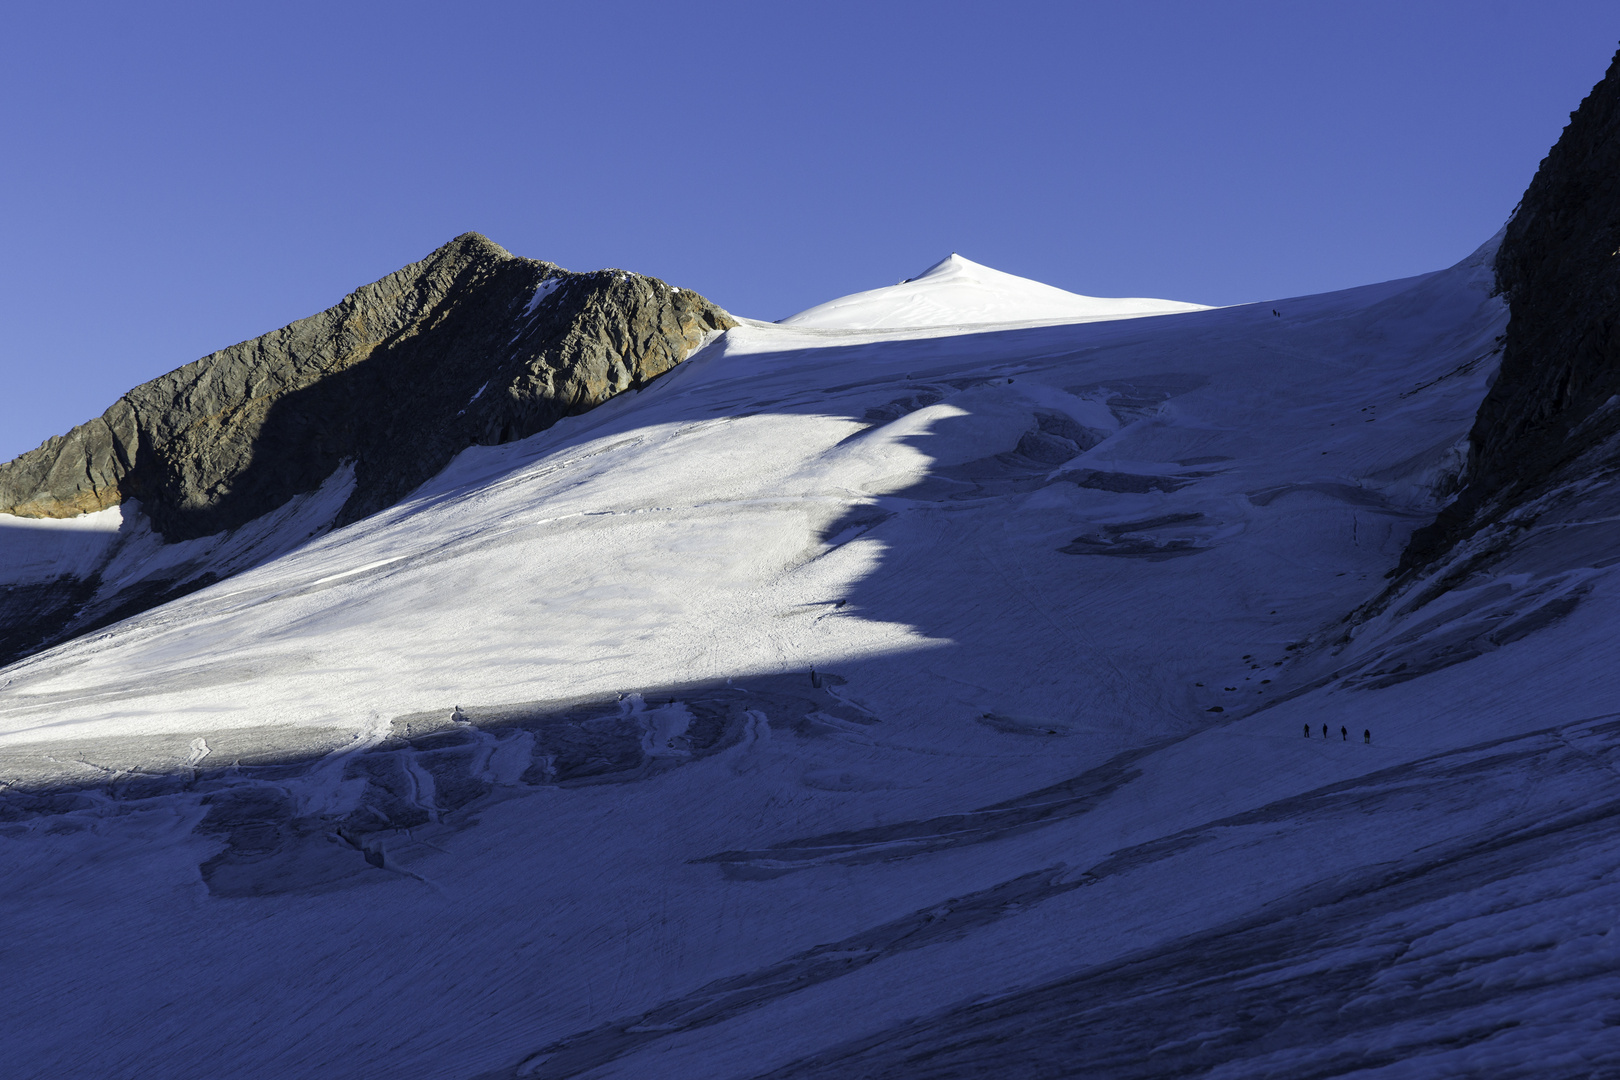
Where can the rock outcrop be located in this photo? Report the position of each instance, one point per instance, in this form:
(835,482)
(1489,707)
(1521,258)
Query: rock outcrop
(1536,519)
(359,404)
(472,345)
(1553,407)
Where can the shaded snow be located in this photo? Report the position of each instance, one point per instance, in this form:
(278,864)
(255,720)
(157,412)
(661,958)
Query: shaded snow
(39,549)
(115,552)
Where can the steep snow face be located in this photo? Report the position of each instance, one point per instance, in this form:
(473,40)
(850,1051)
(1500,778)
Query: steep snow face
(959,292)
(887,703)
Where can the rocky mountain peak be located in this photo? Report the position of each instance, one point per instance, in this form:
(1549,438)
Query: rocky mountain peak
(477,243)
(470,345)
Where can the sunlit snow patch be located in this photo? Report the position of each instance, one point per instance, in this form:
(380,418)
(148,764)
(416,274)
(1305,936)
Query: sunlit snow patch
(960,292)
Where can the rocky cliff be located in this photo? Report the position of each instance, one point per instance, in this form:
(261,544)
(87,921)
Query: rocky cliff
(1553,405)
(471,345)
(1535,524)
(370,398)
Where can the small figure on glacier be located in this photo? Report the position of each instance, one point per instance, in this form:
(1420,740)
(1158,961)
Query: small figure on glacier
(1307,731)
(1344,733)
(458,717)
(1366,736)
(815,680)
(1324,731)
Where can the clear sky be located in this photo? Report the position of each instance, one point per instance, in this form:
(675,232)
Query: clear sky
(179,177)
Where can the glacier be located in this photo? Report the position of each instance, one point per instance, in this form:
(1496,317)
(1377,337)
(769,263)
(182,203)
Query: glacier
(900,690)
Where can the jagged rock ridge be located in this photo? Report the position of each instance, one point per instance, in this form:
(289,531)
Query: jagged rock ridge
(472,345)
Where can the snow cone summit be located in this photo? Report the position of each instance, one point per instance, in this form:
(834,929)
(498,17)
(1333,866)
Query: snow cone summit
(518,672)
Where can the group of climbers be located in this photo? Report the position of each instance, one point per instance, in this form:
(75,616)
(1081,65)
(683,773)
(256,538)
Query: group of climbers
(1344,733)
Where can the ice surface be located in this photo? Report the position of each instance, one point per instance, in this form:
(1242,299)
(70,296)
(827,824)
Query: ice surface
(960,292)
(998,831)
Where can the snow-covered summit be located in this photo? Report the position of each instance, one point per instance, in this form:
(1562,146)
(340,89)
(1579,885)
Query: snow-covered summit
(960,292)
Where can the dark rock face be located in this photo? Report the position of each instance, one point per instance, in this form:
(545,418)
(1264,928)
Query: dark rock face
(1538,512)
(1559,265)
(472,345)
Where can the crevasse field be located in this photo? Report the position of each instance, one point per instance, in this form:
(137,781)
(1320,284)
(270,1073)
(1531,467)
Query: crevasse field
(917,688)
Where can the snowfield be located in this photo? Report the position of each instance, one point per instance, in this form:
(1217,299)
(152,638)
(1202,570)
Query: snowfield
(959,292)
(856,702)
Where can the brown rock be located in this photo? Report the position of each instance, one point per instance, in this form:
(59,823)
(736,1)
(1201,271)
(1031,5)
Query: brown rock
(398,378)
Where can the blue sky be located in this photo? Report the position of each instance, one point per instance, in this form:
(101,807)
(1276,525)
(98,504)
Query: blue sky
(180,177)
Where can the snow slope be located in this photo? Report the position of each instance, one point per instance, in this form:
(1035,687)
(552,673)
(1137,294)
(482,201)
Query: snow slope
(119,545)
(894,703)
(959,292)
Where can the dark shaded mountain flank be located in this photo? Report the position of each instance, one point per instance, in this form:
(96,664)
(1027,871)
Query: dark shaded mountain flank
(1559,266)
(472,345)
